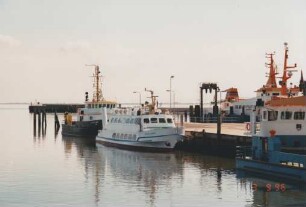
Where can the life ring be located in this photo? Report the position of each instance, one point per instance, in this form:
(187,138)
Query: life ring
(272,133)
(248,126)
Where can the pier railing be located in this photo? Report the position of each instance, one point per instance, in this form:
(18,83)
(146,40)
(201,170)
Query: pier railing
(214,119)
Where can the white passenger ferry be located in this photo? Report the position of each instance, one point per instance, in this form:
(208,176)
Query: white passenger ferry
(140,128)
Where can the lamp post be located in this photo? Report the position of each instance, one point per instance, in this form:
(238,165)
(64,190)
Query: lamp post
(173,97)
(139,96)
(170,88)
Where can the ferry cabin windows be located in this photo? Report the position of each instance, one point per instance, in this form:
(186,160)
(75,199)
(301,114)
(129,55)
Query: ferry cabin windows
(272,115)
(125,120)
(286,115)
(264,115)
(299,115)
(162,120)
(153,120)
(109,106)
(169,120)
(121,136)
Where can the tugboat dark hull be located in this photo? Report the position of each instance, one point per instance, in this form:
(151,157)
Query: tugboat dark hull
(82,128)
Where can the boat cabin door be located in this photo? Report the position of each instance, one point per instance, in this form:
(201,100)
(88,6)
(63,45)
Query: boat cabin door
(264,147)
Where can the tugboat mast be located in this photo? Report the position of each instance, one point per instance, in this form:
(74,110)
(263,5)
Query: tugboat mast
(97,85)
(153,101)
(286,73)
(271,83)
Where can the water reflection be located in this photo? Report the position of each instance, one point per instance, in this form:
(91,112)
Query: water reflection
(272,191)
(150,173)
(120,174)
(87,152)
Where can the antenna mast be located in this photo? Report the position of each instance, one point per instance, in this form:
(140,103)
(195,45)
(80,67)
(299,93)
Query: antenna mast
(286,73)
(97,84)
(272,79)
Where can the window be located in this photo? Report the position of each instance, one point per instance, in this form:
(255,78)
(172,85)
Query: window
(146,121)
(153,120)
(132,121)
(286,115)
(162,120)
(137,121)
(116,120)
(130,136)
(169,120)
(265,115)
(272,115)
(299,115)
(127,121)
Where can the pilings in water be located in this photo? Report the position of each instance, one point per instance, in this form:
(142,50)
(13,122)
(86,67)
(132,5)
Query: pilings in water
(40,122)
(56,123)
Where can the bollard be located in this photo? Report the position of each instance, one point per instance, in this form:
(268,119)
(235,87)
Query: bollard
(34,124)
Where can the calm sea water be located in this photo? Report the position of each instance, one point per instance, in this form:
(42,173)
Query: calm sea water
(47,169)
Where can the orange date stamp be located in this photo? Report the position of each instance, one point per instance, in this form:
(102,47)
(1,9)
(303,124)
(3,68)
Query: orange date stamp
(268,187)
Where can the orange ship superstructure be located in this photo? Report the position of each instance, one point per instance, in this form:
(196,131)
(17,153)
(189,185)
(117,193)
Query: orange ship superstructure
(271,90)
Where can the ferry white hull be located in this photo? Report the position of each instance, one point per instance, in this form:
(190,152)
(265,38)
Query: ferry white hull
(161,142)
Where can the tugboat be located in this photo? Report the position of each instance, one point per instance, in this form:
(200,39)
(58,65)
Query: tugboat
(278,139)
(88,119)
(145,128)
(236,106)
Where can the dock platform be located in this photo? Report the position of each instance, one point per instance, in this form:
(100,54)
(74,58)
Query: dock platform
(203,138)
(59,108)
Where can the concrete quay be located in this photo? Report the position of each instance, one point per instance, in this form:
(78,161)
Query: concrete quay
(203,138)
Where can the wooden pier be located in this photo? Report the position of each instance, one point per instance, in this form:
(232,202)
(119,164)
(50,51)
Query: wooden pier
(52,108)
(203,138)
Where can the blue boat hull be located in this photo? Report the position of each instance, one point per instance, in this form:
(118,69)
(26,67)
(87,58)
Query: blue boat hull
(271,169)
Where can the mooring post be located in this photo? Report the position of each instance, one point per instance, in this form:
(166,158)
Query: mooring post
(219,127)
(44,117)
(56,123)
(34,123)
(39,123)
(218,111)
(201,103)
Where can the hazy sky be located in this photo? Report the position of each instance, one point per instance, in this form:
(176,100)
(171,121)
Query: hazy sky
(45,44)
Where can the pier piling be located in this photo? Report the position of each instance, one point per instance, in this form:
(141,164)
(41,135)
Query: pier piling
(56,123)
(40,121)
(34,124)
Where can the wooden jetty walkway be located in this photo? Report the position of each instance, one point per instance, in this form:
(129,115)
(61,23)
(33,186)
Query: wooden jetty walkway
(203,138)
